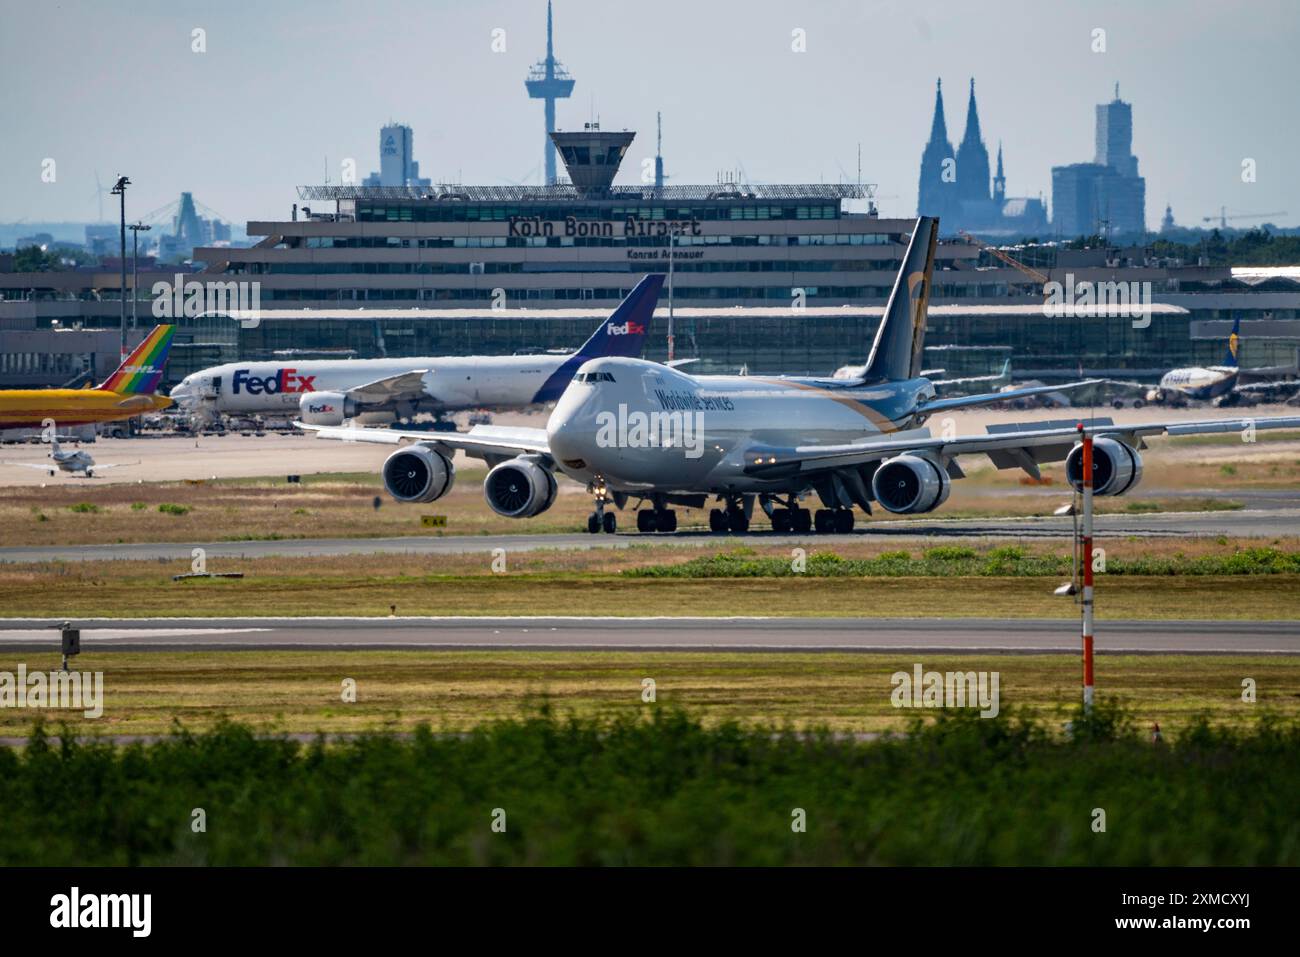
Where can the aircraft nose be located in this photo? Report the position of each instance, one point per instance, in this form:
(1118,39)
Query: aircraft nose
(562,436)
(559,433)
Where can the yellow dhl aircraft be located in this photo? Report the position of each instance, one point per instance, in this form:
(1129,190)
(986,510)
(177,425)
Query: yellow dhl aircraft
(131,390)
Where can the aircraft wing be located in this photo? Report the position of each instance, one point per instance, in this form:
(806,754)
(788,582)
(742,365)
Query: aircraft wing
(51,468)
(1267,373)
(1128,384)
(987,398)
(1021,445)
(482,441)
(1268,387)
(111,465)
(967,380)
(1005,374)
(389,389)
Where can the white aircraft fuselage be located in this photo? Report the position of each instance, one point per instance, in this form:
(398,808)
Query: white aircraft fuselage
(453,382)
(640,427)
(419,384)
(1200,383)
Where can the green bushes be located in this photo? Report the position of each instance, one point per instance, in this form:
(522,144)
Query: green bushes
(662,789)
(170,508)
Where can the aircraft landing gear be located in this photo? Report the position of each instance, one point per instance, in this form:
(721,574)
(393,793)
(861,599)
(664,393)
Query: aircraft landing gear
(734,518)
(789,518)
(838,521)
(601,520)
(787,521)
(781,521)
(656,520)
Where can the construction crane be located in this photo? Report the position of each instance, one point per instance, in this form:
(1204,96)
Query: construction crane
(1010,260)
(1223,216)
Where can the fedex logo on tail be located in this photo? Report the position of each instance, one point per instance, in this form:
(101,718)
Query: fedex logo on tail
(628,328)
(279,382)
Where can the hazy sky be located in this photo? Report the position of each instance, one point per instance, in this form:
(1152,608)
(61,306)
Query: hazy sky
(287,90)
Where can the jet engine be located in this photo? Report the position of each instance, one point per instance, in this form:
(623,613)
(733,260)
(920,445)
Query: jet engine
(910,483)
(1116,467)
(519,488)
(326,408)
(418,473)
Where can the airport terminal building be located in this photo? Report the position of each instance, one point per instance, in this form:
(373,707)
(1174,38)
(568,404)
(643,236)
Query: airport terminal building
(772,278)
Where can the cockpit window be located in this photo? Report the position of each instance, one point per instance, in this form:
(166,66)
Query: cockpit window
(595,377)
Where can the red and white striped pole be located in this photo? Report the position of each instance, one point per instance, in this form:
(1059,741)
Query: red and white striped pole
(1087,570)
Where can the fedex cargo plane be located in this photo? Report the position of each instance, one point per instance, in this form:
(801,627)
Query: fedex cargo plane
(331,391)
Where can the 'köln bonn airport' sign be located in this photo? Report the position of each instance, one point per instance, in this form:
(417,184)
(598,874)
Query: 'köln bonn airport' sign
(530,226)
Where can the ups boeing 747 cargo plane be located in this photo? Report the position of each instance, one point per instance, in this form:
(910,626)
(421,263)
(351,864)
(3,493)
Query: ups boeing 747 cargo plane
(637,431)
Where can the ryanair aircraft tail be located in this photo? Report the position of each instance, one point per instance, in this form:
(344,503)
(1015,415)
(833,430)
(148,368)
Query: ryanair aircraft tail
(1234,344)
(141,371)
(896,353)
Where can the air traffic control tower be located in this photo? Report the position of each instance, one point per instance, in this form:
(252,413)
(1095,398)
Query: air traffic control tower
(592,157)
(549,81)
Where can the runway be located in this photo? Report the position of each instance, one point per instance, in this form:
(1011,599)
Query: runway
(1246,523)
(918,635)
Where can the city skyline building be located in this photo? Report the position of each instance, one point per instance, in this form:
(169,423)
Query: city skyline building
(397,166)
(957,187)
(1106,197)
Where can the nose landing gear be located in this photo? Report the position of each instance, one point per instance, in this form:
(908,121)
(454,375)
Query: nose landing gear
(601,520)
